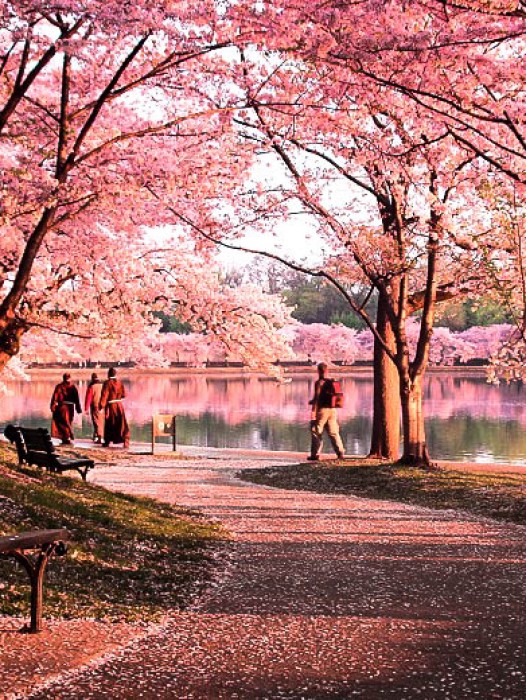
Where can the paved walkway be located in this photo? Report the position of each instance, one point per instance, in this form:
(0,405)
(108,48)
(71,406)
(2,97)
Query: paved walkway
(325,597)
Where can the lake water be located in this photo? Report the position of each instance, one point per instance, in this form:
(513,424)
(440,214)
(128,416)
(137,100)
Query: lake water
(467,419)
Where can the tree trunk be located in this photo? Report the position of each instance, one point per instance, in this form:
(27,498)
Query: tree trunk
(4,359)
(385,438)
(415,448)
(10,334)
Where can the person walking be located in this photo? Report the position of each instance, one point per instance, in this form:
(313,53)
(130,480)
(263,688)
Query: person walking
(324,416)
(64,401)
(91,406)
(116,428)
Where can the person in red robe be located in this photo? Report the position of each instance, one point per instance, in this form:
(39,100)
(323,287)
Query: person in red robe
(111,403)
(91,406)
(64,401)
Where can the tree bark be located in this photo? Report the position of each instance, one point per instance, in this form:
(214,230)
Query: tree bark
(11,328)
(385,438)
(415,451)
(10,334)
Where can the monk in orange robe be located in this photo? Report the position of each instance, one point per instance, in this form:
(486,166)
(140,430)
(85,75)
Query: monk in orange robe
(111,403)
(64,401)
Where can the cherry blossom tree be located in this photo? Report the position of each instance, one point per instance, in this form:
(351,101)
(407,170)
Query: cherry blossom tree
(355,85)
(321,342)
(99,104)
(115,118)
(507,269)
(242,322)
(389,200)
(473,54)
(460,60)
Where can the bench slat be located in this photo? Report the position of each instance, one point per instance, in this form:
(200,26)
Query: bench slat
(32,540)
(38,439)
(73,462)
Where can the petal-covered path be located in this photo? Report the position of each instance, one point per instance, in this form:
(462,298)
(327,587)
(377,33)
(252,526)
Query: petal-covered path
(326,597)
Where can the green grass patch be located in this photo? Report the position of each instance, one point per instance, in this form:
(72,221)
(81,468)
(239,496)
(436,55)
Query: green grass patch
(499,496)
(129,558)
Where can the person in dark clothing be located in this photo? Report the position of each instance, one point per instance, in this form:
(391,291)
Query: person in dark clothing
(91,406)
(323,417)
(116,428)
(64,401)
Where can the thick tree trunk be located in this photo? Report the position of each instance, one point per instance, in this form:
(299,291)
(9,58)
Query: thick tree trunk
(11,329)
(10,335)
(4,359)
(415,448)
(385,438)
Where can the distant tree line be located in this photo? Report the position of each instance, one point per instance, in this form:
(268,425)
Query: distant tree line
(314,301)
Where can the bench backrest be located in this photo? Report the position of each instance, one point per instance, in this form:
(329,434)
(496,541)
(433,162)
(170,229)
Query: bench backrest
(13,434)
(37,440)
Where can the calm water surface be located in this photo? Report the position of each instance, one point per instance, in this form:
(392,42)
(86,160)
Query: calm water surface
(467,419)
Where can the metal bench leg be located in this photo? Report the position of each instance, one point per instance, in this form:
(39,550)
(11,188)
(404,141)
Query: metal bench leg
(35,570)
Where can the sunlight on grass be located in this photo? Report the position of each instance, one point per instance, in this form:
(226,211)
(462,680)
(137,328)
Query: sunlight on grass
(129,558)
(500,496)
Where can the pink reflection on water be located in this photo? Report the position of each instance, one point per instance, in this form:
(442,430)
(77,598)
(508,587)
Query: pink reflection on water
(466,417)
(237,399)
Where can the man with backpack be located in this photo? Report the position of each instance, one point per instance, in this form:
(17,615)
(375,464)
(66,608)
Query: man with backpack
(328,397)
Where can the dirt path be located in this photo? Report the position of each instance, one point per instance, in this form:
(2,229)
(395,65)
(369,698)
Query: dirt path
(326,597)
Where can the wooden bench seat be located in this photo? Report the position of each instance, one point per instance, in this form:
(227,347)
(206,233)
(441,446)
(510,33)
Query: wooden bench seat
(34,446)
(42,543)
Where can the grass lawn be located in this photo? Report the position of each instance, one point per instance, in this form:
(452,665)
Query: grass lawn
(499,496)
(129,558)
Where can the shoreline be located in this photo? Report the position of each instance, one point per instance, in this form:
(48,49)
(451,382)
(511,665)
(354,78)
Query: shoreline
(244,372)
(240,453)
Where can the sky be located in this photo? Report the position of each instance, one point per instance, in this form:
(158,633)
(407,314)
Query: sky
(294,240)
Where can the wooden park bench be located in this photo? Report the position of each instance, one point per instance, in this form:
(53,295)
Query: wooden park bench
(34,446)
(43,543)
